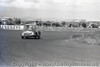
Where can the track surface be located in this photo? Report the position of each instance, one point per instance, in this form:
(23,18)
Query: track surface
(52,47)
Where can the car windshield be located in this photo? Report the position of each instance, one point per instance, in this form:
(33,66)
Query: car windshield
(29,28)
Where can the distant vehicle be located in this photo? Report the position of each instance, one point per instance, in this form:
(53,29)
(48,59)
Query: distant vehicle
(30,30)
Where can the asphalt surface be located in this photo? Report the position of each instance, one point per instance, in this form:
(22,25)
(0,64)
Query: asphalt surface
(52,47)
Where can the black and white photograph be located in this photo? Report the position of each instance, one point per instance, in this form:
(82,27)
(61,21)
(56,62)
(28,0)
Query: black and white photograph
(49,33)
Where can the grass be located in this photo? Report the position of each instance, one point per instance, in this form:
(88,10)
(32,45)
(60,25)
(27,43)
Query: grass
(89,38)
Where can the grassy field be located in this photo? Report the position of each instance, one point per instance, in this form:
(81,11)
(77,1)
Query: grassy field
(86,36)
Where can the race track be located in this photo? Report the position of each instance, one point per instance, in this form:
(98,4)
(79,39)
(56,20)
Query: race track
(52,47)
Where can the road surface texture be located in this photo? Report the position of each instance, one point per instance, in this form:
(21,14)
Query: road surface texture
(52,47)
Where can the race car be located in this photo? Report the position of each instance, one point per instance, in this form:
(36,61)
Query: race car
(30,31)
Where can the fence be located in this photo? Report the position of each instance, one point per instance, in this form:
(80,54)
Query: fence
(42,28)
(11,27)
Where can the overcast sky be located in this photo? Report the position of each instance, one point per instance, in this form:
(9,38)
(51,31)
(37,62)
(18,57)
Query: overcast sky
(51,9)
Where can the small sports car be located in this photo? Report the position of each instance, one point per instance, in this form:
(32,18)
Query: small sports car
(30,31)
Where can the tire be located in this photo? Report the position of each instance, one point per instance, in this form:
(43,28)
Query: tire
(39,37)
(35,37)
(26,37)
(39,34)
(22,37)
(36,34)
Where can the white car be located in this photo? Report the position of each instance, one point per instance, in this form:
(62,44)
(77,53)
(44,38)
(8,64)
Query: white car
(30,31)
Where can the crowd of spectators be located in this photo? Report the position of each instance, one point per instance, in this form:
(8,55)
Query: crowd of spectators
(10,21)
(18,21)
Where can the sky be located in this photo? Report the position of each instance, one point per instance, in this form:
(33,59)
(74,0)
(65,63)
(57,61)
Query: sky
(51,9)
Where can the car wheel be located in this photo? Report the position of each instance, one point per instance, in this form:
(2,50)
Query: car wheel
(35,37)
(39,37)
(26,37)
(39,34)
(22,37)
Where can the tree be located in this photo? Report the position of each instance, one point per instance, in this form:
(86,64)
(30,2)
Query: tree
(10,21)
(63,23)
(84,25)
(18,21)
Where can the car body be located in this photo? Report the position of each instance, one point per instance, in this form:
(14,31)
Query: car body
(30,30)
